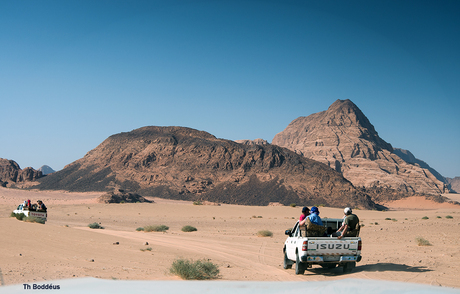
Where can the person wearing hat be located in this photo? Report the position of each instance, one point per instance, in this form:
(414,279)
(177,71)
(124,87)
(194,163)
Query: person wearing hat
(350,225)
(314,216)
(41,205)
(303,216)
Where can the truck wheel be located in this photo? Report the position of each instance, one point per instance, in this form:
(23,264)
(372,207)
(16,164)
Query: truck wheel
(348,267)
(299,266)
(286,263)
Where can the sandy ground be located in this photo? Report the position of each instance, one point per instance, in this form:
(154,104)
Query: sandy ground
(66,248)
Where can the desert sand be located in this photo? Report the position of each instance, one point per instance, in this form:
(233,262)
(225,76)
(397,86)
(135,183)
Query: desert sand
(65,248)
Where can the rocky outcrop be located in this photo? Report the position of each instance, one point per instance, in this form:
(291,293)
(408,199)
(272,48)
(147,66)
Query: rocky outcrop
(122,196)
(11,173)
(187,164)
(343,138)
(252,142)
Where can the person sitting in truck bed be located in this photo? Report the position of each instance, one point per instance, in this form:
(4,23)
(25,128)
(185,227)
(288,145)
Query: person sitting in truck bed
(41,206)
(314,216)
(303,216)
(350,225)
(27,205)
(314,224)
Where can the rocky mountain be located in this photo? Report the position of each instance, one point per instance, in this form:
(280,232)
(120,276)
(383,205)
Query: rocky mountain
(343,138)
(454,184)
(183,163)
(12,174)
(46,170)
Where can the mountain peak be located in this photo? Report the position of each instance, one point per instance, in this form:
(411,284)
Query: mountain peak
(343,138)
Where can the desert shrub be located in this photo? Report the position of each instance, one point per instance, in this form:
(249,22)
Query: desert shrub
(422,242)
(147,249)
(393,219)
(95,226)
(438,216)
(197,202)
(194,270)
(259,216)
(19,216)
(425,217)
(264,233)
(388,218)
(160,228)
(293,205)
(33,219)
(449,216)
(188,229)
(376,223)
(140,229)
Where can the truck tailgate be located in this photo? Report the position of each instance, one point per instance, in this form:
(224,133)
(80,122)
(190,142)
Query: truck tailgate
(327,246)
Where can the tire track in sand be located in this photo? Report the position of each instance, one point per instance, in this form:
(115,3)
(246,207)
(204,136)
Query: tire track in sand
(251,258)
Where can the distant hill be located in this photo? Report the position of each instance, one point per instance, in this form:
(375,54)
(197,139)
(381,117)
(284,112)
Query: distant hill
(183,163)
(454,184)
(46,170)
(343,138)
(11,174)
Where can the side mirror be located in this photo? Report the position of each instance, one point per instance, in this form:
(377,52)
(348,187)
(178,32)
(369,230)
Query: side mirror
(288,232)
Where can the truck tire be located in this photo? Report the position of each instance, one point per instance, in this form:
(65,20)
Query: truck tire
(348,267)
(287,264)
(299,266)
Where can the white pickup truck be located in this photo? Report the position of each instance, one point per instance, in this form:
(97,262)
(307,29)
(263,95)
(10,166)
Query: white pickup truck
(32,212)
(327,252)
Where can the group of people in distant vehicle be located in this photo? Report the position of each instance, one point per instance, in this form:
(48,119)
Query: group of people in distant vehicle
(311,220)
(40,206)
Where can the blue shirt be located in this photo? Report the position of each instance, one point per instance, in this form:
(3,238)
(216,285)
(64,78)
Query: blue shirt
(314,218)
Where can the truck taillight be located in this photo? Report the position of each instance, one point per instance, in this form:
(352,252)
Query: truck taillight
(305,246)
(359,245)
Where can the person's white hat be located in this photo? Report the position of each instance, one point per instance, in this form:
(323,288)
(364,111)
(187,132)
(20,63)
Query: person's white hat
(347,210)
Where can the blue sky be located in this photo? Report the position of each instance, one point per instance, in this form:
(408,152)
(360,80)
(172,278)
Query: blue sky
(73,73)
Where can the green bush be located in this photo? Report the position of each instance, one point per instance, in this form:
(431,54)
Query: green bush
(147,249)
(160,228)
(197,202)
(189,229)
(264,233)
(33,219)
(95,226)
(140,229)
(19,216)
(422,242)
(449,216)
(293,205)
(425,217)
(388,218)
(198,270)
